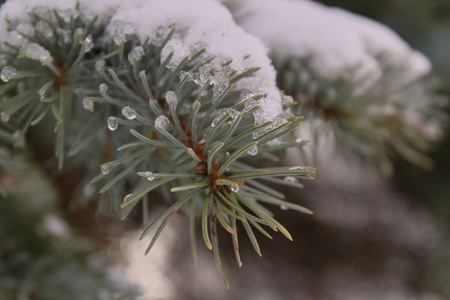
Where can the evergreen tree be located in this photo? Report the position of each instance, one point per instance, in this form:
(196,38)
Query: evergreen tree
(174,100)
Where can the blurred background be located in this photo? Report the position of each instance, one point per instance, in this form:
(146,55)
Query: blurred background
(369,238)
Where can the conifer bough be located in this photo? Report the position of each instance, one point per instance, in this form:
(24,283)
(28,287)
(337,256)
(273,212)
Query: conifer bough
(185,115)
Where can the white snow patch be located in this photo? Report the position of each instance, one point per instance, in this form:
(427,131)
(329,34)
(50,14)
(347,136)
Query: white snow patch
(335,39)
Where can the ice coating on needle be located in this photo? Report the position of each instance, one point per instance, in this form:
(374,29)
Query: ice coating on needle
(336,39)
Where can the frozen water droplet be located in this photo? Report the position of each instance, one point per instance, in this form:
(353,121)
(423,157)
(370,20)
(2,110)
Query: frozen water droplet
(4,116)
(284,207)
(128,113)
(290,179)
(67,13)
(8,73)
(194,106)
(127,197)
(16,135)
(99,65)
(135,54)
(235,188)
(36,52)
(299,168)
(253,150)
(104,169)
(112,123)
(44,29)
(227,153)
(286,99)
(149,175)
(162,122)
(119,38)
(299,140)
(88,43)
(88,104)
(88,190)
(172,97)
(103,88)
(67,37)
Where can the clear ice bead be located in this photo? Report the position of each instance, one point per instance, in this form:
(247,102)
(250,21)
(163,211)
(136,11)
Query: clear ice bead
(119,38)
(286,99)
(67,13)
(135,54)
(99,65)
(284,207)
(172,97)
(44,29)
(235,188)
(253,150)
(112,123)
(8,73)
(162,122)
(127,197)
(103,88)
(290,179)
(128,113)
(150,176)
(299,168)
(4,116)
(104,169)
(88,104)
(36,52)
(194,106)
(88,43)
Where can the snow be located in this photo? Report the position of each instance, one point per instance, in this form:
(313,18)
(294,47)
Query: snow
(199,24)
(335,39)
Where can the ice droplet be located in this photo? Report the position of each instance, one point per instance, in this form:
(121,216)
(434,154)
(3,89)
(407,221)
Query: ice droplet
(66,13)
(112,123)
(67,37)
(235,188)
(299,168)
(253,150)
(36,52)
(104,169)
(128,113)
(286,99)
(194,106)
(119,38)
(299,140)
(103,88)
(4,116)
(233,114)
(135,54)
(284,207)
(88,104)
(290,179)
(162,122)
(99,65)
(172,97)
(149,175)
(8,73)
(88,43)
(127,197)
(44,29)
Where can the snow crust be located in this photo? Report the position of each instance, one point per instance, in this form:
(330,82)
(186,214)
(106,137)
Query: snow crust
(336,39)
